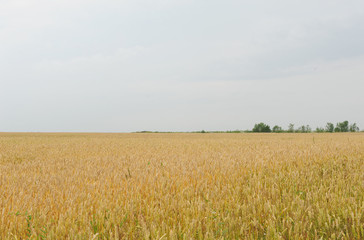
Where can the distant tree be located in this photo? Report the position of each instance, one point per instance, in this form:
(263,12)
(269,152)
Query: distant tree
(301,129)
(320,130)
(329,127)
(290,128)
(304,129)
(342,127)
(308,129)
(353,128)
(345,126)
(277,128)
(261,127)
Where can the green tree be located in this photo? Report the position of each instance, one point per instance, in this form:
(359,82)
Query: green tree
(261,127)
(301,129)
(308,129)
(353,128)
(319,130)
(329,127)
(304,129)
(290,128)
(342,127)
(277,129)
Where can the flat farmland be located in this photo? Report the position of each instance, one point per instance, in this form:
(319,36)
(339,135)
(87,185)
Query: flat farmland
(181,186)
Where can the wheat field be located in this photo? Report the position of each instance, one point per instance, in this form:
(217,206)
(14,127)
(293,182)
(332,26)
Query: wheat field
(181,186)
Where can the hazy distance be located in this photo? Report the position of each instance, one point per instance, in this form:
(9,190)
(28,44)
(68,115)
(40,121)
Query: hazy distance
(120,66)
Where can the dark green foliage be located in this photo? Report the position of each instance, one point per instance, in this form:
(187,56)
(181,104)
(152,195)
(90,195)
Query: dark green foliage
(319,130)
(304,129)
(329,127)
(261,127)
(290,128)
(277,129)
(353,128)
(342,127)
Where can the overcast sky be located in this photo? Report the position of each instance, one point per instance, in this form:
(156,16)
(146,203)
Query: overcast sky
(163,65)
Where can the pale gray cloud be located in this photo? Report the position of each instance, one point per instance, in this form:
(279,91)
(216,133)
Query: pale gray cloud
(179,65)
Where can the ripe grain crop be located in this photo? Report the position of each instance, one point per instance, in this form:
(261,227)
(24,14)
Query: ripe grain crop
(181,186)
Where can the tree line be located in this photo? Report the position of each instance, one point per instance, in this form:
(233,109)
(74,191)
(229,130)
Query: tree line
(330,127)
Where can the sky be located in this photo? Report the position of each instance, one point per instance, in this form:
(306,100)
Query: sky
(163,65)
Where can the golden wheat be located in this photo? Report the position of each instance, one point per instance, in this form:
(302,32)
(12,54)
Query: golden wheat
(181,186)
